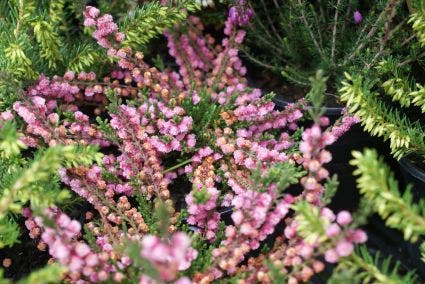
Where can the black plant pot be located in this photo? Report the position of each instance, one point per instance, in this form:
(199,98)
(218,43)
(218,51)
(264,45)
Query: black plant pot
(413,175)
(331,112)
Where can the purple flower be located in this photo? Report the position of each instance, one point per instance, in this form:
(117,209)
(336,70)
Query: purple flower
(233,14)
(358,17)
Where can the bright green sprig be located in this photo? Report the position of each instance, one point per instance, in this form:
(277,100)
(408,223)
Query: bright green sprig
(380,120)
(417,20)
(49,41)
(362,267)
(149,20)
(310,225)
(378,185)
(49,274)
(26,186)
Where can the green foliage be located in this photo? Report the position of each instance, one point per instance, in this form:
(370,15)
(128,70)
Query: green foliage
(32,181)
(316,95)
(331,186)
(203,115)
(204,259)
(417,20)
(201,196)
(149,20)
(362,267)
(47,275)
(298,37)
(310,225)
(380,119)
(9,231)
(281,174)
(379,187)
(398,76)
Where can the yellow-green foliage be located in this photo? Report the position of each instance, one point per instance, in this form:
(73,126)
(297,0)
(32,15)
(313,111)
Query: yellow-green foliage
(379,187)
(51,273)
(379,119)
(149,20)
(34,182)
(417,21)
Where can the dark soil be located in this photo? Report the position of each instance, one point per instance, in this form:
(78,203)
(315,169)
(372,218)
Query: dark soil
(25,256)
(268,81)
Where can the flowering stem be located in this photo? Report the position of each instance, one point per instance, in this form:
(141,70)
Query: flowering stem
(177,166)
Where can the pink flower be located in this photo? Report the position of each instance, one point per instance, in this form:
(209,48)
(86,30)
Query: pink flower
(6,115)
(237,217)
(333,231)
(359,236)
(357,17)
(344,248)
(344,218)
(331,256)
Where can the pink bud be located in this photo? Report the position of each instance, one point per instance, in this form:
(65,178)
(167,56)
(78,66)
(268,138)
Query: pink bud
(237,217)
(357,17)
(333,231)
(344,218)
(344,248)
(327,213)
(331,256)
(359,236)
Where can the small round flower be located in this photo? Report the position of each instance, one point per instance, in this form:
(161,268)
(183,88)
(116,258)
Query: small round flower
(344,248)
(333,231)
(357,17)
(344,218)
(331,256)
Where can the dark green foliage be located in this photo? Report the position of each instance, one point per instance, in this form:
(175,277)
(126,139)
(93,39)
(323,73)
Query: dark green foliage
(298,37)
(397,77)
(331,186)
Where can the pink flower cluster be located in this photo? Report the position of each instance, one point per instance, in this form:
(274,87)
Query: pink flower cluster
(105,27)
(313,157)
(161,120)
(345,244)
(240,14)
(78,257)
(204,214)
(341,127)
(168,257)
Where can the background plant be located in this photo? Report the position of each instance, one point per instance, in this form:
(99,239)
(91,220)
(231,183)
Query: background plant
(296,38)
(391,102)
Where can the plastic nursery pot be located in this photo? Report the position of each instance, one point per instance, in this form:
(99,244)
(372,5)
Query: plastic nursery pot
(390,242)
(332,112)
(413,175)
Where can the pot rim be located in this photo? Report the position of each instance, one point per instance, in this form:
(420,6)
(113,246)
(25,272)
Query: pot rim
(328,110)
(410,167)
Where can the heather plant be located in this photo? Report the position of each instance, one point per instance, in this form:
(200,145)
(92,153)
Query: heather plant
(391,102)
(298,37)
(46,37)
(200,123)
(32,182)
